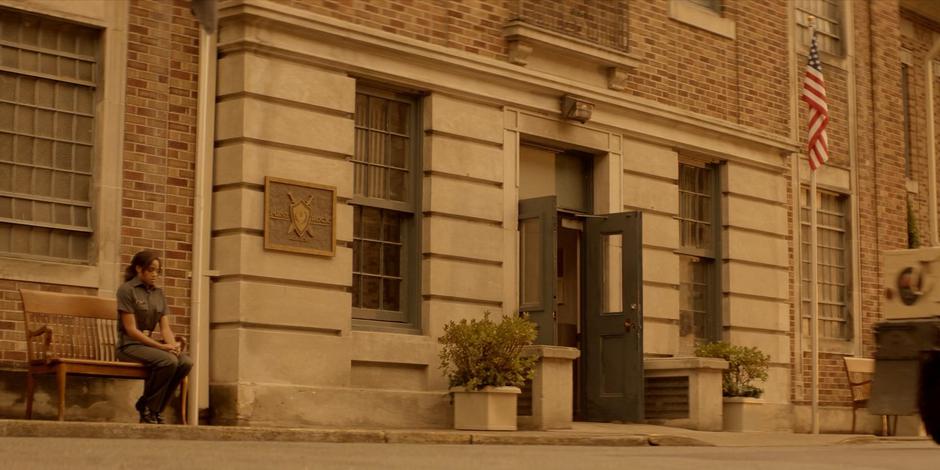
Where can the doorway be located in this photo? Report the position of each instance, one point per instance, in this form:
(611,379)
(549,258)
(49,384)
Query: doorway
(581,282)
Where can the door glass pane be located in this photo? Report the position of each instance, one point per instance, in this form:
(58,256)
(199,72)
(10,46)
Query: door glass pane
(612,259)
(530,254)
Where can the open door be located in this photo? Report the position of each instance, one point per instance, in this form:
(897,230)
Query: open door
(612,344)
(538,219)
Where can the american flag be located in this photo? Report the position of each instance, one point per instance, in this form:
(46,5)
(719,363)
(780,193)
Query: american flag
(814,94)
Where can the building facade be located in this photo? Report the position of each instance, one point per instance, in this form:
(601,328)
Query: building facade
(330,182)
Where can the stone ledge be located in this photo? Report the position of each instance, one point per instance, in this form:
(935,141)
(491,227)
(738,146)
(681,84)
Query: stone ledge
(552,352)
(677,363)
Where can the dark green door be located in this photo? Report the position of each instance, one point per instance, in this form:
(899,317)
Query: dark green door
(612,345)
(538,222)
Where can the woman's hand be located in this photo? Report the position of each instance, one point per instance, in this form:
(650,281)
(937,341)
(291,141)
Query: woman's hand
(173,347)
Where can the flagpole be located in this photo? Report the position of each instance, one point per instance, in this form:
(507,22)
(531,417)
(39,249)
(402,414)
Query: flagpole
(814,300)
(814,287)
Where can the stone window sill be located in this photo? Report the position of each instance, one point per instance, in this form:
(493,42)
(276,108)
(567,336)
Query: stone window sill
(701,17)
(49,272)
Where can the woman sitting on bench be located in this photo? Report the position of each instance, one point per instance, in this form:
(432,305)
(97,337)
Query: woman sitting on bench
(141,306)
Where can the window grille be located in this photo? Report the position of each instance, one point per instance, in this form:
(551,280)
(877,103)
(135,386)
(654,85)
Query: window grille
(828,20)
(384,234)
(698,280)
(48,79)
(832,265)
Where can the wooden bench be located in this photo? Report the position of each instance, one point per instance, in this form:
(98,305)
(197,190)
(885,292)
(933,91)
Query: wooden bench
(860,371)
(75,334)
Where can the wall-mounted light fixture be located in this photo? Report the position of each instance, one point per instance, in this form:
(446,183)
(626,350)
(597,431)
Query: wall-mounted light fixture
(577,109)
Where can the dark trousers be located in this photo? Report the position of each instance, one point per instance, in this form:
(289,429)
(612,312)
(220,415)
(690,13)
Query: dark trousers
(166,372)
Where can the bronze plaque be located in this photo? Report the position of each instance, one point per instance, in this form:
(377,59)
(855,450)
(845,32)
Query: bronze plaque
(299,217)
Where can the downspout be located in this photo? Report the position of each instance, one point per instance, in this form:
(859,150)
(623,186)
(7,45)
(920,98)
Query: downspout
(931,144)
(202,223)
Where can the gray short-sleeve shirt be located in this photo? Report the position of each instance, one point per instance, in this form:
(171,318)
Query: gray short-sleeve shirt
(146,303)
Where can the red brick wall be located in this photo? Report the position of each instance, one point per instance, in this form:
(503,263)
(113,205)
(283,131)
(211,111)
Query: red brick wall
(159,143)
(881,193)
(743,81)
(919,45)
(158,162)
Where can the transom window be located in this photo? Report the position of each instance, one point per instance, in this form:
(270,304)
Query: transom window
(48,81)
(384,221)
(832,265)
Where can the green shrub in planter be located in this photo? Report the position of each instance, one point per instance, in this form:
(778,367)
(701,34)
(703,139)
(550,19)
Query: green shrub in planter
(481,353)
(745,365)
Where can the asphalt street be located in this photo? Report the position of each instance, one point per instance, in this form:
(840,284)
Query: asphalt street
(53,453)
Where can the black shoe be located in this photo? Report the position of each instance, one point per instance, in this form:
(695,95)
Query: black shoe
(158,418)
(141,409)
(149,417)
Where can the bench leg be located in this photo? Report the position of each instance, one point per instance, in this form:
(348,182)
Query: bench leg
(60,379)
(30,390)
(184,399)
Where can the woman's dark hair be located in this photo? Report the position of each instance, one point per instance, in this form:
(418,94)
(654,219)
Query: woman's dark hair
(142,259)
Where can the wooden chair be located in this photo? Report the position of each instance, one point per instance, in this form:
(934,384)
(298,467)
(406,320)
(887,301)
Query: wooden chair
(859,371)
(75,334)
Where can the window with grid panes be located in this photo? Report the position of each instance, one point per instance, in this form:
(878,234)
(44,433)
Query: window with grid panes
(385,254)
(714,5)
(48,78)
(833,271)
(906,116)
(828,21)
(698,281)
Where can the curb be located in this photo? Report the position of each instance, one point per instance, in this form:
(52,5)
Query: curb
(880,439)
(92,430)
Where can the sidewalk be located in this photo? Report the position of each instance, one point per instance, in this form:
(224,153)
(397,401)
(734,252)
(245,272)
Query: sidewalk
(582,434)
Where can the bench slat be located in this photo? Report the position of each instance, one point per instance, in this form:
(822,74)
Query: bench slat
(69,304)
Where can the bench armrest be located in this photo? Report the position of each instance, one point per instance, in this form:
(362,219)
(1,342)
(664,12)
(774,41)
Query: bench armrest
(45,331)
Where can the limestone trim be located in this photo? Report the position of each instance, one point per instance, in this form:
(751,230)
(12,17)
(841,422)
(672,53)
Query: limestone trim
(759,264)
(283,101)
(450,135)
(647,175)
(647,210)
(702,18)
(243,325)
(465,259)
(757,231)
(233,141)
(783,331)
(751,197)
(235,277)
(518,31)
(465,178)
(506,77)
(467,300)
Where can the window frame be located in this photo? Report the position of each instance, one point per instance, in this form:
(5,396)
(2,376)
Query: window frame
(74,204)
(408,318)
(906,120)
(840,24)
(104,260)
(848,303)
(712,255)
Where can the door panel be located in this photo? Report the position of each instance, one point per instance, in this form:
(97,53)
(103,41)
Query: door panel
(613,320)
(538,269)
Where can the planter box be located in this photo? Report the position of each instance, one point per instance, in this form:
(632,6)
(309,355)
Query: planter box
(490,409)
(745,414)
(552,388)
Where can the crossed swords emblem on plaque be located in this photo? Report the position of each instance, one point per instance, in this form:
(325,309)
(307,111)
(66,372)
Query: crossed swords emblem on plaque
(300,215)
